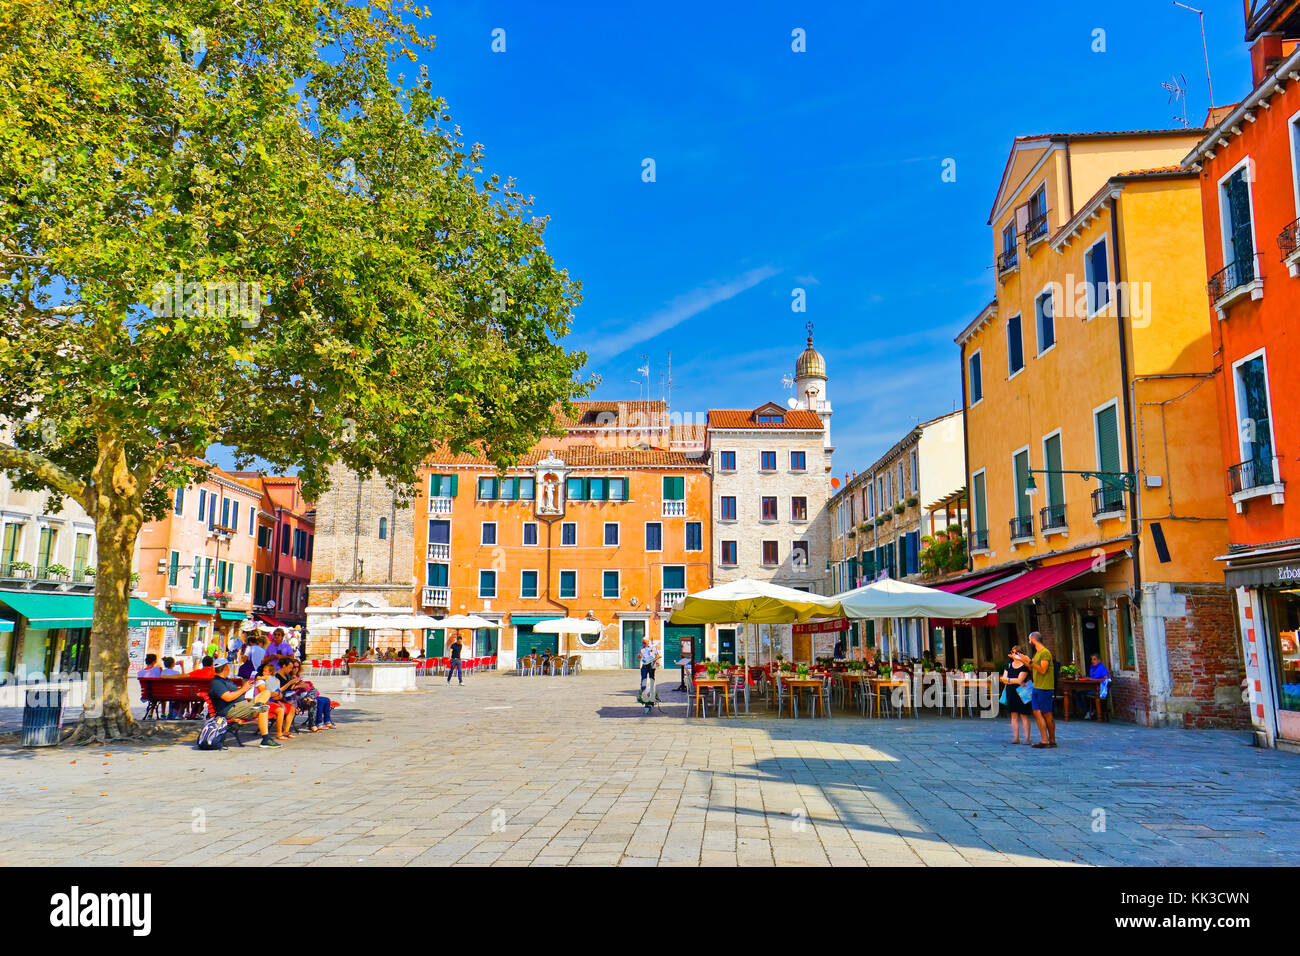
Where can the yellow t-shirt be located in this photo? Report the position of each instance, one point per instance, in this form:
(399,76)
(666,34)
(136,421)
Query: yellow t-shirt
(1044,681)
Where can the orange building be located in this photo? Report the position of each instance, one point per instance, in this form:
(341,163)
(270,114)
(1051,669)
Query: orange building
(1249,170)
(285,550)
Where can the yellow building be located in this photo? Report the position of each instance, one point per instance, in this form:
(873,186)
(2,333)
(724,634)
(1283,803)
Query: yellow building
(1095,357)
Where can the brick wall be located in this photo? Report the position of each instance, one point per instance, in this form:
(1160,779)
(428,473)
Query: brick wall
(1205,661)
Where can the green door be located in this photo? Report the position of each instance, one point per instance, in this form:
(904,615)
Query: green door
(727,645)
(485,642)
(526,641)
(359,640)
(633,632)
(674,634)
(434,640)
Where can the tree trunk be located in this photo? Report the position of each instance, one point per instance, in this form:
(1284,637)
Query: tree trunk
(118,519)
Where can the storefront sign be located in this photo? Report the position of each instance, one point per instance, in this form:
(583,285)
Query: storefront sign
(823,627)
(1267,575)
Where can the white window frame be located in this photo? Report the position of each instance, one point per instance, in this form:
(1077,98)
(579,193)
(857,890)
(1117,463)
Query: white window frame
(902,483)
(618,576)
(722,561)
(765,541)
(1006,338)
(775,465)
(1225,240)
(574,525)
(482,534)
(522,595)
(559,584)
(1096,436)
(1237,399)
(1038,329)
(1293,128)
(793,469)
(776,500)
(723,519)
(686,541)
(537,537)
(1110,280)
(604,535)
(726,451)
(658,550)
(1015,495)
(1055,433)
(981,472)
(915,463)
(977,355)
(496,584)
(804,519)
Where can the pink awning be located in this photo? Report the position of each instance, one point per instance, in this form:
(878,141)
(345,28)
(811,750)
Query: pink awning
(965,584)
(1030,583)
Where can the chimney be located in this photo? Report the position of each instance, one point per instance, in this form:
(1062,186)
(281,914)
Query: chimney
(1265,55)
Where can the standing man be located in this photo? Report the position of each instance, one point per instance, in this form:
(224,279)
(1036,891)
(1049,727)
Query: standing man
(1040,668)
(454,667)
(649,657)
(198,649)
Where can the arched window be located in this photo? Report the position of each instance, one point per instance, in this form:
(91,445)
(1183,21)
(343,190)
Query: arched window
(383,528)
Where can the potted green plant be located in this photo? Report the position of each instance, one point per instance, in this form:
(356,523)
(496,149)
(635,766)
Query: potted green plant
(712,668)
(89,572)
(20,568)
(899,508)
(803,670)
(912,501)
(1070,671)
(56,571)
(968,667)
(741,660)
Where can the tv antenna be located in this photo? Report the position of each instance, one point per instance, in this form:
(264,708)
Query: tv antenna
(1204,46)
(1177,89)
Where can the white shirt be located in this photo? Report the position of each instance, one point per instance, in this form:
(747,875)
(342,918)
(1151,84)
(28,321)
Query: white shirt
(648,653)
(197,649)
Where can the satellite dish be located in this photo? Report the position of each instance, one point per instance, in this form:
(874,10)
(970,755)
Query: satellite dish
(792,402)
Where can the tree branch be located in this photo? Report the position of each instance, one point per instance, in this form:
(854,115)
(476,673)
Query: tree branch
(47,472)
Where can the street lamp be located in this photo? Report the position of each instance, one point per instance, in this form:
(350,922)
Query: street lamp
(1125,480)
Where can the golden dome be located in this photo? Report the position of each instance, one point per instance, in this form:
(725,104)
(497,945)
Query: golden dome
(811,363)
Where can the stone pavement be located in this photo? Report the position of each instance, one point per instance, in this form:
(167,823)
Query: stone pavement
(567,770)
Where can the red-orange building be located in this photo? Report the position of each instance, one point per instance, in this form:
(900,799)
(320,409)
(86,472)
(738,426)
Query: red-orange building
(284,548)
(1249,168)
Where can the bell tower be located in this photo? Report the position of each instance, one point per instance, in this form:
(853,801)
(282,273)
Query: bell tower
(810,385)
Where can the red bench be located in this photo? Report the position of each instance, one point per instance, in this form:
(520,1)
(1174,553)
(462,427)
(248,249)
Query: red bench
(188,693)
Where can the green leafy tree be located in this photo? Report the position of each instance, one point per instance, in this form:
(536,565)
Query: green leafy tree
(234,223)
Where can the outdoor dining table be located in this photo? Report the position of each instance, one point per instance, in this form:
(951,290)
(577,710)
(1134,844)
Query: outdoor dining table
(796,684)
(716,683)
(1071,684)
(883,685)
(963,687)
(850,678)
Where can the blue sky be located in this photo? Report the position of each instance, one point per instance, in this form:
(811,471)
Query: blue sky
(777,170)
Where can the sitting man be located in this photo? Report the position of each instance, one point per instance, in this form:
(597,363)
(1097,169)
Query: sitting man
(151,668)
(227,700)
(1083,698)
(206,670)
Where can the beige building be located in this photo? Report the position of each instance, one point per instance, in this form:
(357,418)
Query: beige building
(771,481)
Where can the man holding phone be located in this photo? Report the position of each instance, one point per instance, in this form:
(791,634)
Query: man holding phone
(227,700)
(1040,668)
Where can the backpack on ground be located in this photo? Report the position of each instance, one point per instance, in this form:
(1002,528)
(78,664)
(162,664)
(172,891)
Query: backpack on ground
(213,733)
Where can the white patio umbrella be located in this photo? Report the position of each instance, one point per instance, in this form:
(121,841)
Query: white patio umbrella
(890,598)
(568,625)
(748,601)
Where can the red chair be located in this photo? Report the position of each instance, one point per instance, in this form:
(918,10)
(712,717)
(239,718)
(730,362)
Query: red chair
(336,665)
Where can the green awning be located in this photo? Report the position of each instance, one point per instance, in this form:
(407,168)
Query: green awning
(205,609)
(45,610)
(231,615)
(533,618)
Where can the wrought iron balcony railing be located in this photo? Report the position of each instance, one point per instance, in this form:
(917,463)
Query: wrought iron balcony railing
(1008,259)
(1256,473)
(1022,527)
(979,539)
(1232,276)
(1288,240)
(1052,518)
(1107,500)
(1036,228)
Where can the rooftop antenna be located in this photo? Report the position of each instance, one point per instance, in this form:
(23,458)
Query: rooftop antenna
(643,387)
(1204,46)
(1177,88)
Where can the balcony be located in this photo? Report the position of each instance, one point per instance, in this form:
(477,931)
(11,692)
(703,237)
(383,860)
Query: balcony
(670,599)
(674,509)
(52,574)
(1235,281)
(1107,502)
(1052,520)
(1035,230)
(437,597)
(979,540)
(1288,243)
(1008,262)
(439,505)
(1257,478)
(439,552)
(1022,529)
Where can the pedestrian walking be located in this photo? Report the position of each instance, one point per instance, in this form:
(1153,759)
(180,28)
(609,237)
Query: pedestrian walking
(454,665)
(1019,694)
(649,657)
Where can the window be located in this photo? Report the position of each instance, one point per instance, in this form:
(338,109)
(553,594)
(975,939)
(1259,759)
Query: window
(508,488)
(265,537)
(611,534)
(674,488)
(916,473)
(768,512)
(568,534)
(174,569)
(871,500)
(568,584)
(212,510)
(575,489)
(1015,347)
(81,556)
(674,577)
(1254,424)
(284,533)
(770,557)
(1044,313)
(979,516)
(618,489)
(727,508)
(900,480)
(597,489)
(1106,431)
(1238,228)
(203,502)
(487,489)
(1036,226)
(609,584)
(442,486)
(1024,506)
(798,461)
(252,520)
(1127,651)
(225,512)
(45,551)
(530,533)
(383,533)
(248,578)
(487,533)
(1096,277)
(1008,258)
(694,536)
(528,584)
(487,584)
(799,554)
(436,575)
(1054,481)
(767,461)
(798,509)
(527,488)
(178,502)
(726,461)
(654,536)
(778,419)
(728,552)
(198,570)
(974,380)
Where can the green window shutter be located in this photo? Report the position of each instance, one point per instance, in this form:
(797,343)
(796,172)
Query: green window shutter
(434,481)
(1107,426)
(173,570)
(248,578)
(978,503)
(452,492)
(1024,507)
(674,487)
(1052,462)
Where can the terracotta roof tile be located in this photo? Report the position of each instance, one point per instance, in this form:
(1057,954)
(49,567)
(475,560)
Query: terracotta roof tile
(591,414)
(583,456)
(747,418)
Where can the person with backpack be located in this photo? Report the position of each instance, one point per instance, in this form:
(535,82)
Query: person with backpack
(227,699)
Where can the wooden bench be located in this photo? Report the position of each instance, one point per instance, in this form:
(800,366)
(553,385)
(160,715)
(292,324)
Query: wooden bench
(187,693)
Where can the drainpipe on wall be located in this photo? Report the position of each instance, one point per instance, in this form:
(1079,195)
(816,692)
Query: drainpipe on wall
(965,454)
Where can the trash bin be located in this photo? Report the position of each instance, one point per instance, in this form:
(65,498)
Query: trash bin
(42,717)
